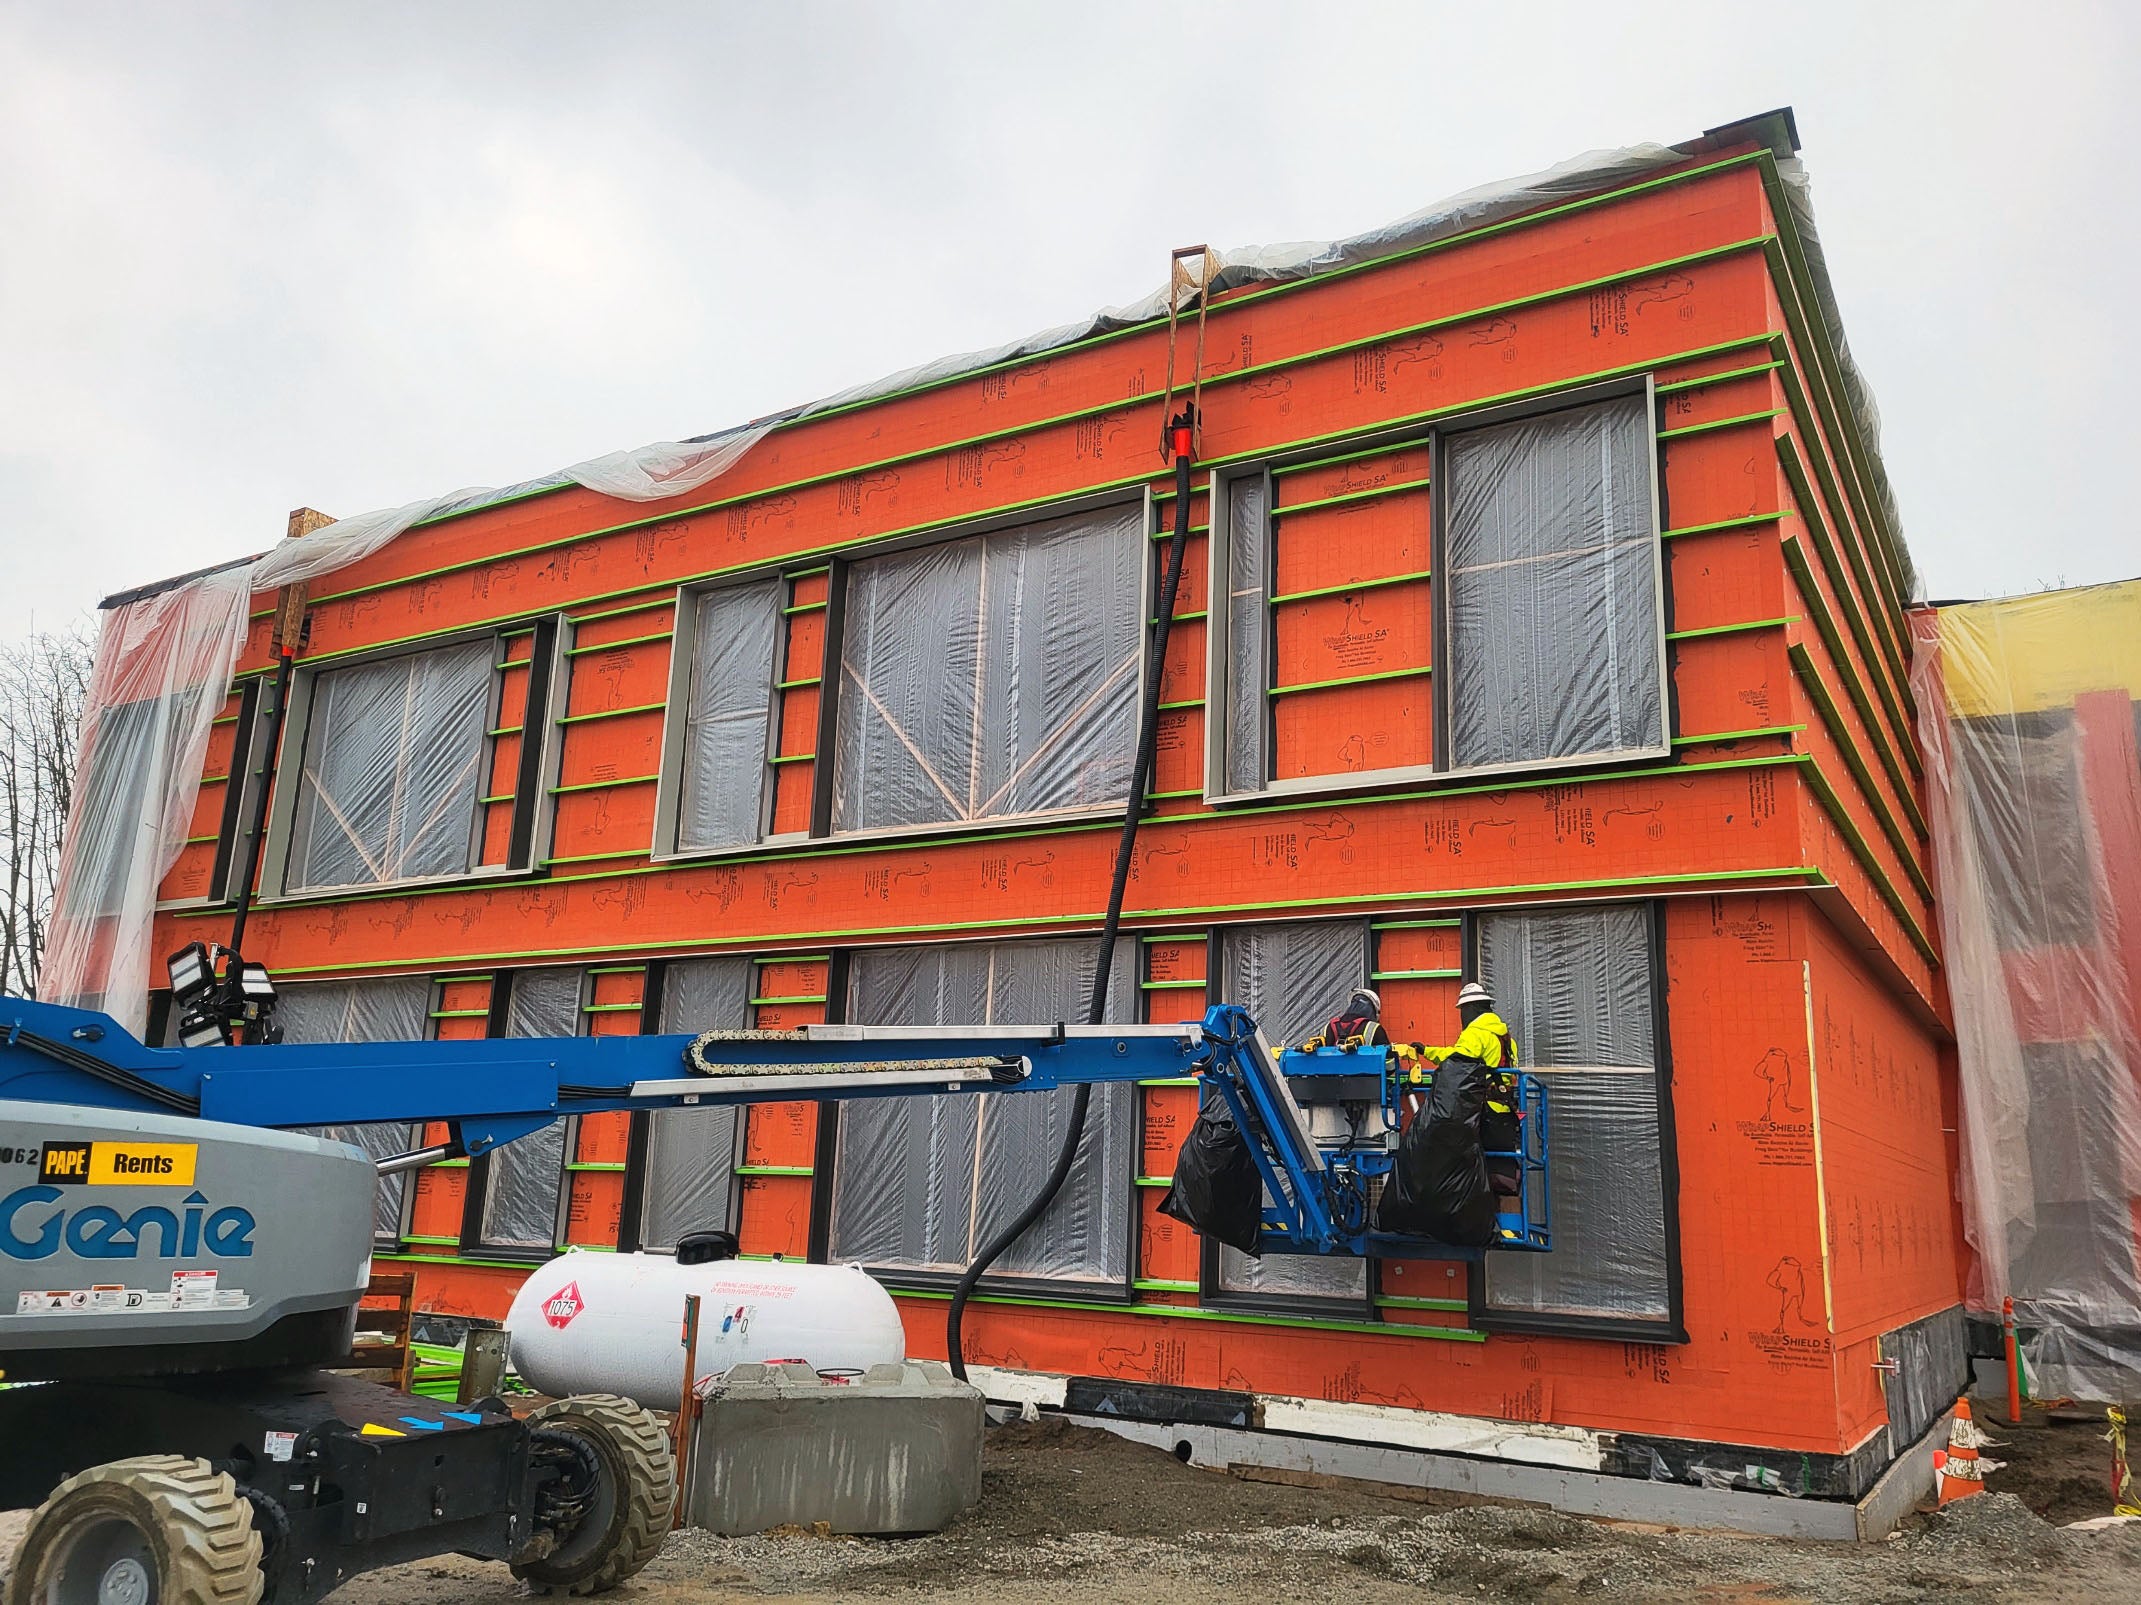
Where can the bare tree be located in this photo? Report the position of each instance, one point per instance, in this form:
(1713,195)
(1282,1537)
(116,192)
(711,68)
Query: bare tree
(42,683)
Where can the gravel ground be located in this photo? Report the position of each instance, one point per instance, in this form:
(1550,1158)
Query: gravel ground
(1073,1515)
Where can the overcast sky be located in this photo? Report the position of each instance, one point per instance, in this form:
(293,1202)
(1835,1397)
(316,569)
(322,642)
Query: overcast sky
(259,256)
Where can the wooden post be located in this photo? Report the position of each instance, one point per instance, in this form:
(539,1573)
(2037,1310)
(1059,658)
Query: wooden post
(687,1410)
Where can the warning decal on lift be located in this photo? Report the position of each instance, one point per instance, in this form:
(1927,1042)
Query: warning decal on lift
(112,1300)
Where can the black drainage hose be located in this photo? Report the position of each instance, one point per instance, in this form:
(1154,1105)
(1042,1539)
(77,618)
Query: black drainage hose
(1148,735)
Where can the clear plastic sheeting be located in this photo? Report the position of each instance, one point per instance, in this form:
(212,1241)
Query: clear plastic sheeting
(526,1181)
(728,716)
(1551,565)
(692,1153)
(392,768)
(922,1184)
(2027,717)
(1576,986)
(651,473)
(161,675)
(1245,675)
(993,676)
(393,1010)
(1292,978)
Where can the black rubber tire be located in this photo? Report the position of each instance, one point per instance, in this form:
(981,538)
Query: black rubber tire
(195,1527)
(640,1466)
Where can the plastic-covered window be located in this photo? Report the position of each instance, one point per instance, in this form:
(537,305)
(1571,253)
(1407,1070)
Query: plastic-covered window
(1578,989)
(1550,569)
(729,716)
(526,1179)
(2038,757)
(921,1184)
(1292,978)
(691,1153)
(393,766)
(1245,671)
(119,759)
(395,1010)
(992,676)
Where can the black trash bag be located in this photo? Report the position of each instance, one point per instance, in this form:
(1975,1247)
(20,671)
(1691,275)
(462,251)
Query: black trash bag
(1216,1187)
(1438,1186)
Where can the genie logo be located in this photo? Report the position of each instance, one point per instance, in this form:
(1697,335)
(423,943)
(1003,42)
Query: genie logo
(101,1232)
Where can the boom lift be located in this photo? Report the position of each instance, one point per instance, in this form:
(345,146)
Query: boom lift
(177,1262)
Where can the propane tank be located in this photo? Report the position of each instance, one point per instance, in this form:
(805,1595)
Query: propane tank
(613,1323)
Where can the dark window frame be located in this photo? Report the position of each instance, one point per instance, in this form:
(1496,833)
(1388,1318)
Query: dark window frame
(476,1198)
(672,751)
(839,572)
(1672,1327)
(632,1206)
(534,807)
(1321,1306)
(905,1279)
(1219,668)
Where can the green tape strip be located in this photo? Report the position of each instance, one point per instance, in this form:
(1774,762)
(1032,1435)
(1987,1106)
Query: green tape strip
(1748,521)
(618,645)
(1356,585)
(804,851)
(1136,481)
(620,612)
(1153,1181)
(1712,738)
(1704,381)
(1883,669)
(1280,512)
(1156,1284)
(1832,720)
(1833,805)
(1854,687)
(1392,1301)
(1190,1312)
(775,1170)
(1716,424)
(604,785)
(1240,375)
(612,713)
(1415,975)
(813,997)
(1732,629)
(1356,679)
(595,1165)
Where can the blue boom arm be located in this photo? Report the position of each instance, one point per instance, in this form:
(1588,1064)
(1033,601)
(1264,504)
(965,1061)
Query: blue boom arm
(492,1091)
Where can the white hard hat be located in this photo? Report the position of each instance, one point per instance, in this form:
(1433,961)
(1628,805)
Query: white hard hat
(1473,992)
(1366,994)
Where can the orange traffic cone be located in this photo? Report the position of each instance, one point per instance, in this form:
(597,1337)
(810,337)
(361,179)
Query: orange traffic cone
(1962,1470)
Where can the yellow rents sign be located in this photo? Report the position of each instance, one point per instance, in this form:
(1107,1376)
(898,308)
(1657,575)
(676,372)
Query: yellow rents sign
(119,1164)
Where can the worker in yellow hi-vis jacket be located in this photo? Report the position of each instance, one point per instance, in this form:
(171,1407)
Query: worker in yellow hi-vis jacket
(1485,1038)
